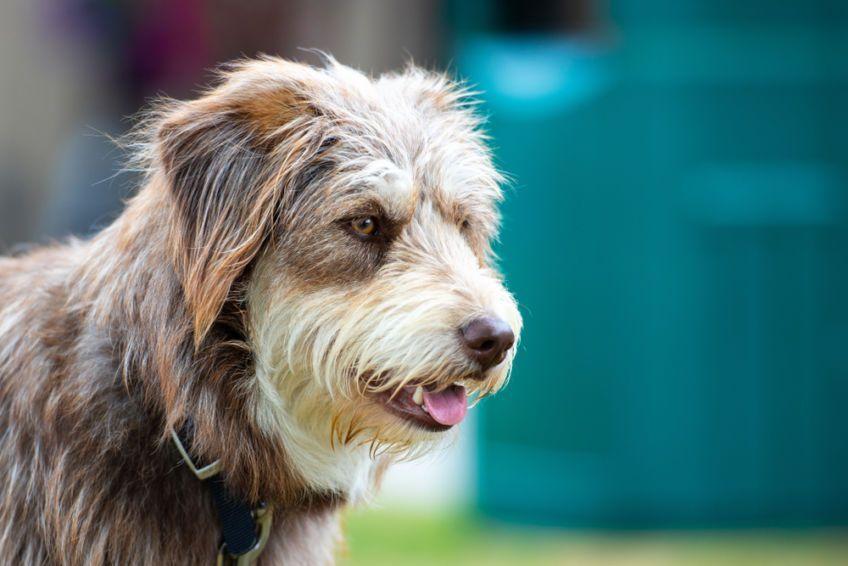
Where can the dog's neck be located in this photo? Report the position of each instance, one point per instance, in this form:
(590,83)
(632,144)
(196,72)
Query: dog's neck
(266,452)
(305,429)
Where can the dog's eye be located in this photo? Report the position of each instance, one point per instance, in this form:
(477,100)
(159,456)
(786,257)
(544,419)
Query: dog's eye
(365,227)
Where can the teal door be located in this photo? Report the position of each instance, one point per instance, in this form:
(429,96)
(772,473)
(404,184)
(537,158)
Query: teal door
(677,237)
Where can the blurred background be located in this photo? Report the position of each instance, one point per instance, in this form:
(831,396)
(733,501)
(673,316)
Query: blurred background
(676,233)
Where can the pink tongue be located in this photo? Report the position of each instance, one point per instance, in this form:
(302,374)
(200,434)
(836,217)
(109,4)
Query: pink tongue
(447,407)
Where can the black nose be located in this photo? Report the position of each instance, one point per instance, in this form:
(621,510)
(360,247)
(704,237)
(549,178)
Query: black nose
(487,340)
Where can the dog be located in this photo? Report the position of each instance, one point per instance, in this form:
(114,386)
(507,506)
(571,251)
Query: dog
(304,278)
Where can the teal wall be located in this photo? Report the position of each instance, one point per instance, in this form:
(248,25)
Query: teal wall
(677,236)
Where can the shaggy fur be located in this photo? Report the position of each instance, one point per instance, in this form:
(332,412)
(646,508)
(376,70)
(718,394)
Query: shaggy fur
(232,292)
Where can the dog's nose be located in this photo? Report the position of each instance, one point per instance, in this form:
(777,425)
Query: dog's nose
(487,340)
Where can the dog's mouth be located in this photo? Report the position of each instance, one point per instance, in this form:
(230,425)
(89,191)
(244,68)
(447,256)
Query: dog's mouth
(434,410)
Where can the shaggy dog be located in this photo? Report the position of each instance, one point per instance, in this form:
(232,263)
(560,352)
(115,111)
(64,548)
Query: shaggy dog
(305,276)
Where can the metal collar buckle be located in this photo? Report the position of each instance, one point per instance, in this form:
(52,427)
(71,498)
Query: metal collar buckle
(202,473)
(263,516)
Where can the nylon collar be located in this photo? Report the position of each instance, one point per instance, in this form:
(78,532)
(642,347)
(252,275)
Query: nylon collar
(244,527)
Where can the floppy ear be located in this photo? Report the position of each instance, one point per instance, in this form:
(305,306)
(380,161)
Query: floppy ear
(228,159)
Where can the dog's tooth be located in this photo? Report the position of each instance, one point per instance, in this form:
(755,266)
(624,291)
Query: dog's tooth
(418,396)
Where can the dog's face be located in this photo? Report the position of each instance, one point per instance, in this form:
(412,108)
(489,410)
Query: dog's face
(356,217)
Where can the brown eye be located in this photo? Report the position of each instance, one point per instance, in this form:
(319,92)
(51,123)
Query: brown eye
(365,227)
(466,224)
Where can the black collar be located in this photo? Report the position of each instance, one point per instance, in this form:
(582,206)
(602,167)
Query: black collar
(244,527)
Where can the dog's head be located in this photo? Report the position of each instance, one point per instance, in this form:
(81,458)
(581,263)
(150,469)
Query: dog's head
(352,219)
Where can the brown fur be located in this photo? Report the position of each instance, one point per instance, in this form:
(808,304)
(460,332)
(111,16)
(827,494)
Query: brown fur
(106,344)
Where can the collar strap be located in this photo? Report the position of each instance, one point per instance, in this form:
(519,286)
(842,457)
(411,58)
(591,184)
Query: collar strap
(244,528)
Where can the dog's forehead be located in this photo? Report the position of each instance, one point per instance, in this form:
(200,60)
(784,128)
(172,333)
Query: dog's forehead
(413,137)
(402,187)
(392,184)
(427,160)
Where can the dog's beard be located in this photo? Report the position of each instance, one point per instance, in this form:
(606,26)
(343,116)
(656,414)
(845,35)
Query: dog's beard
(332,360)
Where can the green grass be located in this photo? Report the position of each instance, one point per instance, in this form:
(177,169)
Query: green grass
(380,537)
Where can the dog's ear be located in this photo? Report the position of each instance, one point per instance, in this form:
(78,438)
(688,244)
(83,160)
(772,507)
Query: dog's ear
(229,158)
